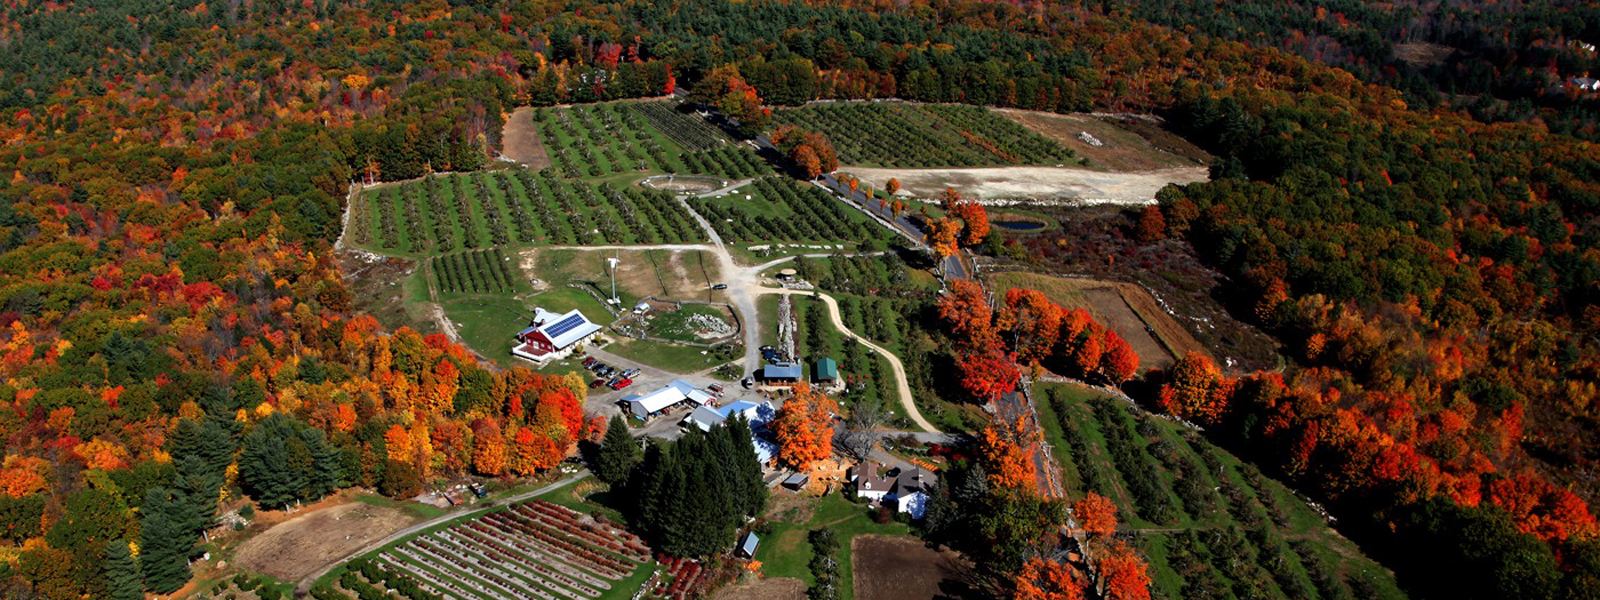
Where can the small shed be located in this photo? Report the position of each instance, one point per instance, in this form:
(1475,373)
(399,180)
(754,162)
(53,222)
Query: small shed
(748,545)
(780,373)
(796,481)
(826,371)
(788,274)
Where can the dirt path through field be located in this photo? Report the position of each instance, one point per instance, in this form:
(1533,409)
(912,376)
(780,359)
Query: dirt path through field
(520,140)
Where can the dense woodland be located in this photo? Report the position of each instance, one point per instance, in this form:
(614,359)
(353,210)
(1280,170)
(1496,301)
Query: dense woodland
(177,169)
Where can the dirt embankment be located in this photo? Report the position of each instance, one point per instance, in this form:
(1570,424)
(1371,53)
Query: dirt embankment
(1126,144)
(1036,183)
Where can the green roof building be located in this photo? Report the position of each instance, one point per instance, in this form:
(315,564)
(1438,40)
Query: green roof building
(827,370)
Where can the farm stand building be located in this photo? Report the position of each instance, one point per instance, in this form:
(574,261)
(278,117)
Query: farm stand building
(552,336)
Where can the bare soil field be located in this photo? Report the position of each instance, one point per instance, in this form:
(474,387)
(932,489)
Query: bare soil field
(675,274)
(1121,149)
(520,140)
(1422,53)
(775,588)
(1040,183)
(291,550)
(1124,307)
(380,288)
(903,568)
(1098,243)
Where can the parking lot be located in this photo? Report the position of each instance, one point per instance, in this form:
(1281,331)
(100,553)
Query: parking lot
(603,400)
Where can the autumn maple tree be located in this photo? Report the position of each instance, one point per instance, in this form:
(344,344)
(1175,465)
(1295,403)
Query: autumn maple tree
(1096,515)
(803,427)
(1042,579)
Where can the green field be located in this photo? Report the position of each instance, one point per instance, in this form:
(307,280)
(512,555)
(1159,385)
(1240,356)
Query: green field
(1211,526)
(896,134)
(779,209)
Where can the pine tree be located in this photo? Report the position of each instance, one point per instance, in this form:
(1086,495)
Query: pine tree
(749,491)
(164,543)
(123,580)
(618,454)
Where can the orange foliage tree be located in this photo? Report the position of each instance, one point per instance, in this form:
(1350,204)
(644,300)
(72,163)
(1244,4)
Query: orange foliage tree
(1195,389)
(1042,579)
(1118,363)
(1096,514)
(966,309)
(1123,573)
(1002,449)
(803,427)
(488,447)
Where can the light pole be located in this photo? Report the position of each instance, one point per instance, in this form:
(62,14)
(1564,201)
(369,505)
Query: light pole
(613,263)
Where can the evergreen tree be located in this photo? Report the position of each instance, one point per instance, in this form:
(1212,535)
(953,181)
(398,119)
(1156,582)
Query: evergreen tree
(123,580)
(750,494)
(283,460)
(165,543)
(618,454)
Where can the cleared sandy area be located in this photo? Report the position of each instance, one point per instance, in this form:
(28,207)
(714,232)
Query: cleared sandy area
(520,140)
(774,588)
(1033,183)
(291,550)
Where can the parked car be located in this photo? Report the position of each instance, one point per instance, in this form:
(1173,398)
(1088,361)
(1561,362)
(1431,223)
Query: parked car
(621,383)
(597,383)
(720,286)
(716,388)
(605,371)
(589,361)
(630,373)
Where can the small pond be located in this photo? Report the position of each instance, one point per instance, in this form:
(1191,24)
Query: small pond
(1019,225)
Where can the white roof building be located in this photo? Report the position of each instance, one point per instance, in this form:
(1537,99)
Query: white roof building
(677,391)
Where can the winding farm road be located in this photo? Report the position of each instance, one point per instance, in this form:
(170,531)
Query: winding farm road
(902,388)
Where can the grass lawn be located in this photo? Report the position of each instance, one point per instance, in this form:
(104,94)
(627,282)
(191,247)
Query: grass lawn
(667,357)
(786,551)
(488,324)
(564,298)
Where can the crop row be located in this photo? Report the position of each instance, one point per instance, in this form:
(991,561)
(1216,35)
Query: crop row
(798,213)
(917,135)
(482,271)
(521,207)
(689,131)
